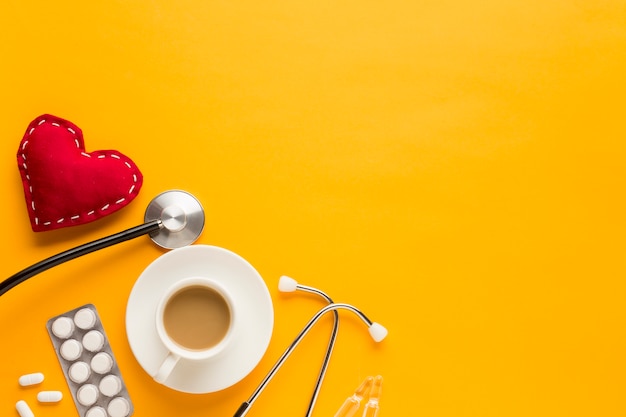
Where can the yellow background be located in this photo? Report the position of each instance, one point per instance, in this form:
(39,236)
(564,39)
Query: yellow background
(455,169)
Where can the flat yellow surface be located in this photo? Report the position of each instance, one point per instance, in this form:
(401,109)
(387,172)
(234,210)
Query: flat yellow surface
(455,169)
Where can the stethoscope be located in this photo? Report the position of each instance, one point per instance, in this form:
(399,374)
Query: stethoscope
(173,219)
(286,284)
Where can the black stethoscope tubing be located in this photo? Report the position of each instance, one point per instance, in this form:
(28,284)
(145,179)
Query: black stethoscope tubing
(173,219)
(78,251)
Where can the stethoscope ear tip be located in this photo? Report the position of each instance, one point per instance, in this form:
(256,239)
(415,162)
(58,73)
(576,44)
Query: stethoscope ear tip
(286,284)
(378,332)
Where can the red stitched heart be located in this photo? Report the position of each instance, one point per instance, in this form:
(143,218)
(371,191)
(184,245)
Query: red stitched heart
(66,186)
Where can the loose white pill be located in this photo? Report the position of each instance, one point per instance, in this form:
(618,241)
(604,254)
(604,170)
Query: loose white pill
(63,327)
(49,396)
(31,379)
(110,385)
(119,407)
(23,409)
(96,412)
(85,318)
(87,395)
(79,372)
(71,349)
(102,363)
(93,341)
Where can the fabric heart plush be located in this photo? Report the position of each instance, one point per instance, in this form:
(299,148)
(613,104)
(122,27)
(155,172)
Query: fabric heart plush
(66,186)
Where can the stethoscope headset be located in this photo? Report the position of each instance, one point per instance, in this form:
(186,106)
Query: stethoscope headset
(288,285)
(174,219)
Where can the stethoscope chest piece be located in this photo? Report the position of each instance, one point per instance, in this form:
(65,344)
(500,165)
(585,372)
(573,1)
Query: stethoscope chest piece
(181,216)
(173,219)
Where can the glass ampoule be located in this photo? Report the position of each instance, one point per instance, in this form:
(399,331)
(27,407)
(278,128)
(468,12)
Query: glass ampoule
(373,403)
(351,404)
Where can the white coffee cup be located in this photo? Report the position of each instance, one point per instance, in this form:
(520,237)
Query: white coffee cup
(195,318)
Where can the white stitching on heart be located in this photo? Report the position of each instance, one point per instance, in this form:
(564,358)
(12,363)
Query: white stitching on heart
(84,154)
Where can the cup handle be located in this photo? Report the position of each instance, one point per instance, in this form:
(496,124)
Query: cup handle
(166,368)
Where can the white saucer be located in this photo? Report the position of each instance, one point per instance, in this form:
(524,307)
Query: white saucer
(250,340)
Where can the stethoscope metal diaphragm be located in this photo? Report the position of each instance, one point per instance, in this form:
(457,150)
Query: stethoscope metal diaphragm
(181,216)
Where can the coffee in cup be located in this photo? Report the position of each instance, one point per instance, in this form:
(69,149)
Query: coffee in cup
(196,317)
(194,320)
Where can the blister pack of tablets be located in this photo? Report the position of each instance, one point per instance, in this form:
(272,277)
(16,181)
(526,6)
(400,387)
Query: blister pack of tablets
(90,368)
